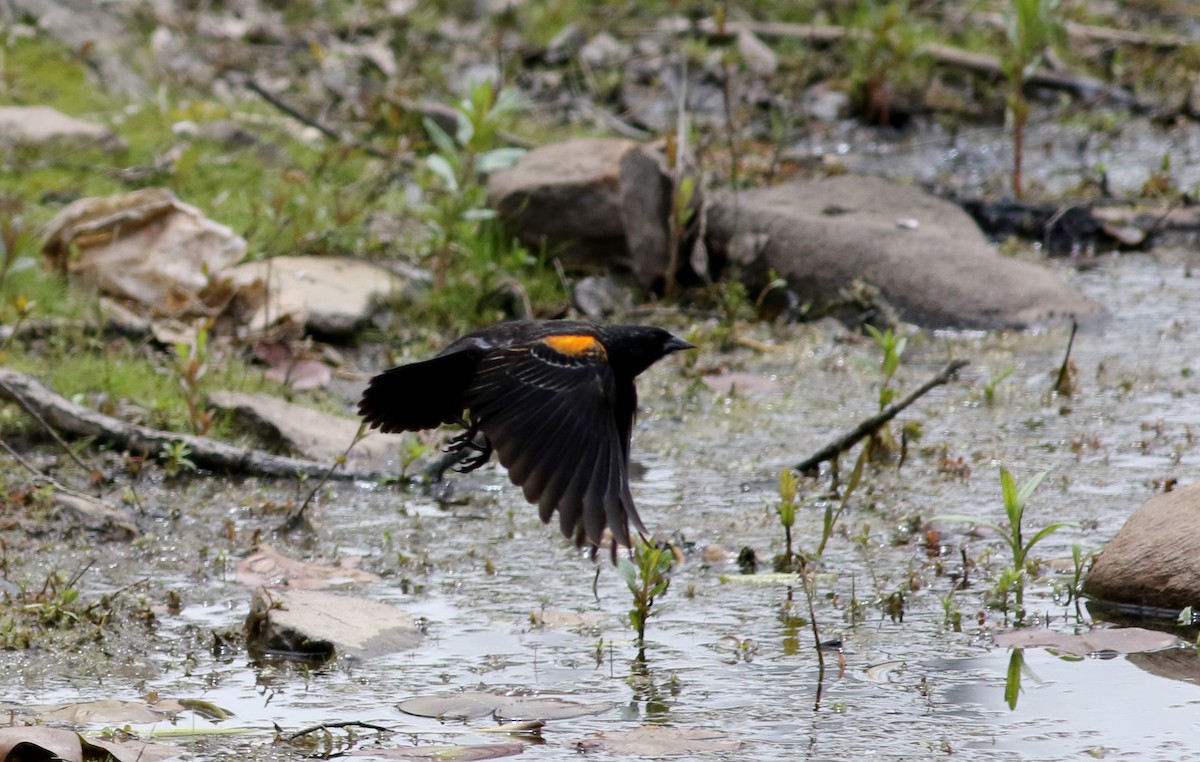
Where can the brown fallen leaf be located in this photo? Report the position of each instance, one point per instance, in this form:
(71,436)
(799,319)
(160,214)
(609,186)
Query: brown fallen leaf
(267,567)
(657,741)
(446,753)
(1126,640)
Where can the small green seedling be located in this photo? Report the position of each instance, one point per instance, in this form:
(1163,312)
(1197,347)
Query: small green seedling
(175,458)
(648,577)
(191,366)
(1015,498)
(989,386)
(786,509)
(1030,27)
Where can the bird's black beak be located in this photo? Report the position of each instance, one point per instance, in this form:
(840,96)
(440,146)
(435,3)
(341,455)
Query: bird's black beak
(676,344)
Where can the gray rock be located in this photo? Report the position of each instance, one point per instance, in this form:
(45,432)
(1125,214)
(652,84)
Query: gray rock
(327,624)
(600,297)
(332,296)
(1152,560)
(604,50)
(44,126)
(593,202)
(825,104)
(310,433)
(924,256)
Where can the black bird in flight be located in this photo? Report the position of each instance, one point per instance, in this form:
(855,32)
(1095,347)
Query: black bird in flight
(555,399)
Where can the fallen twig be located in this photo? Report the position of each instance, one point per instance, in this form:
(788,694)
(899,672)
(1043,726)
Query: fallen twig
(298,518)
(326,726)
(250,84)
(66,416)
(96,514)
(1065,379)
(876,422)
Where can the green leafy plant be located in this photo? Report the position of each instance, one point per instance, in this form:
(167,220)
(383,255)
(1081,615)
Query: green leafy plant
(989,386)
(884,57)
(648,577)
(455,166)
(893,347)
(1030,27)
(191,366)
(786,509)
(1015,497)
(176,458)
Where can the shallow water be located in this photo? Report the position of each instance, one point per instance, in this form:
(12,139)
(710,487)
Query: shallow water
(911,688)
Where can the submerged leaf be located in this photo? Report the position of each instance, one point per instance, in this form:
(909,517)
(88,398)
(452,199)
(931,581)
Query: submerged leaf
(656,741)
(446,753)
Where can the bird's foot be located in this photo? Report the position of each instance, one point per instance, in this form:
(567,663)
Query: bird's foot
(465,442)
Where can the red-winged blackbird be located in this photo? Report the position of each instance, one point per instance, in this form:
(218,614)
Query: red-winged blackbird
(555,399)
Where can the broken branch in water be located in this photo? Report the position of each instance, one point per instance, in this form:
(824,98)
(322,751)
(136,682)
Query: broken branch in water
(876,422)
(66,416)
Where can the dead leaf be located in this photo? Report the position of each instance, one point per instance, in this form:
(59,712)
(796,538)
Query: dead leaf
(656,741)
(551,619)
(446,753)
(1126,640)
(267,567)
(459,706)
(16,744)
(130,751)
(104,711)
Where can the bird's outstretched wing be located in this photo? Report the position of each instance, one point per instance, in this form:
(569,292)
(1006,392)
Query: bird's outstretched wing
(552,411)
(421,395)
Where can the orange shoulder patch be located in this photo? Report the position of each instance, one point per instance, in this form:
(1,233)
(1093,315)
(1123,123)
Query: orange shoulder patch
(576,345)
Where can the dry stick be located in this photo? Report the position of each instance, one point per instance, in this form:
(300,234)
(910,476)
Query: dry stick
(329,132)
(876,422)
(298,518)
(8,392)
(65,415)
(327,725)
(1061,381)
(812,617)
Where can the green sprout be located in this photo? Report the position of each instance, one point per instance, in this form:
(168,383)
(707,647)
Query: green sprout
(786,509)
(989,386)
(1030,27)
(648,577)
(1012,578)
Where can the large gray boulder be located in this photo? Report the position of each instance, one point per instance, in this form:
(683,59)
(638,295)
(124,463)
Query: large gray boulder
(927,257)
(1154,560)
(596,203)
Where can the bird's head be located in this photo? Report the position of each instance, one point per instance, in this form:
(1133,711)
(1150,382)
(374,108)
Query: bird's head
(636,347)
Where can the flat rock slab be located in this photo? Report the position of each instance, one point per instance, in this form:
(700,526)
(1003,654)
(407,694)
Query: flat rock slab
(309,433)
(326,625)
(592,201)
(146,247)
(332,296)
(927,257)
(37,126)
(1154,560)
